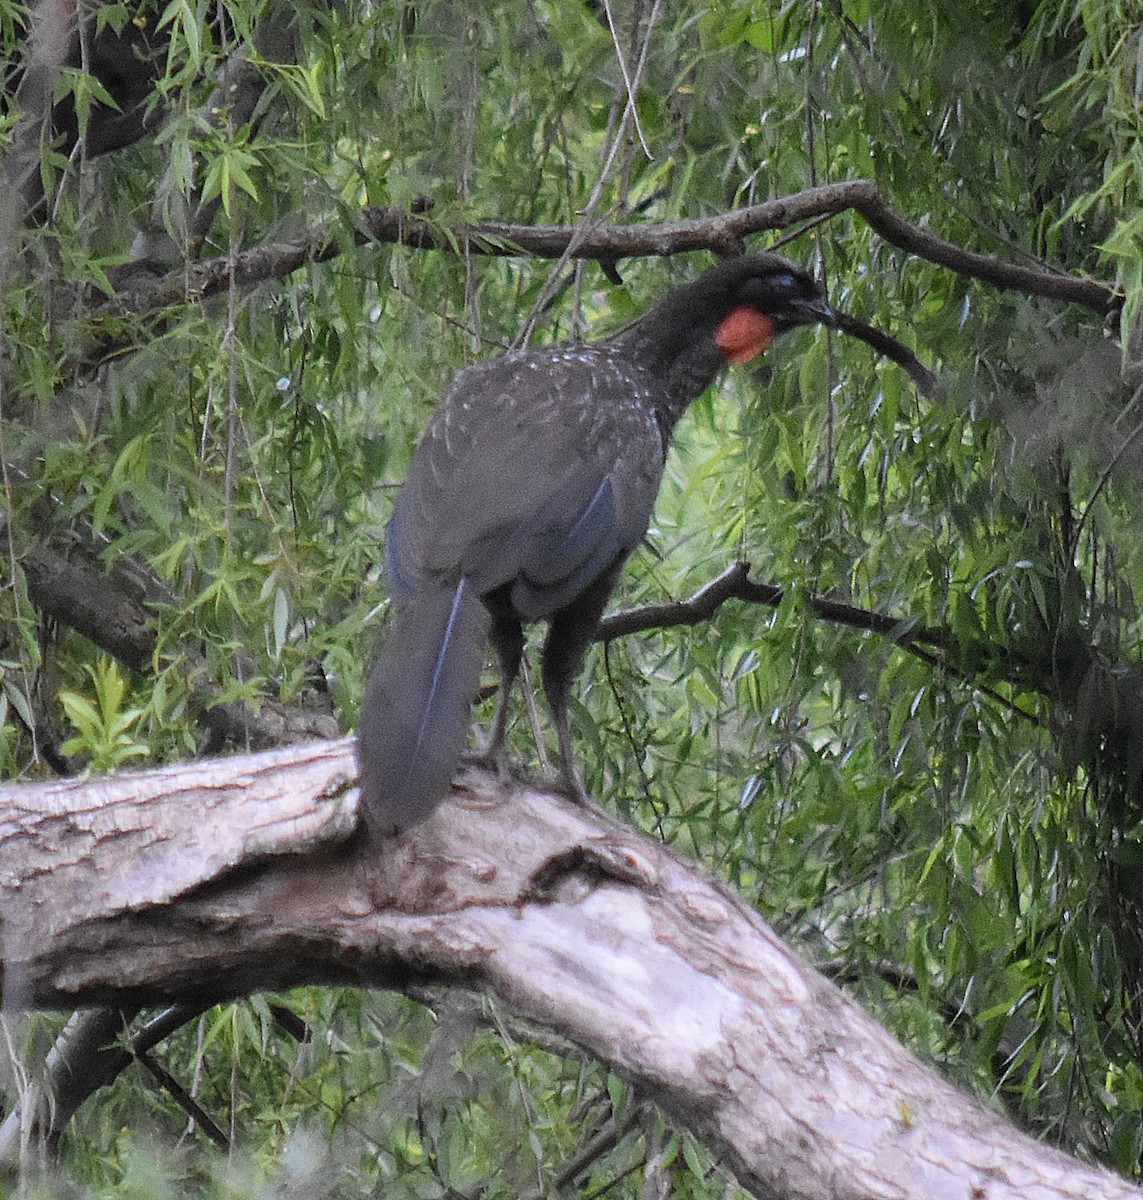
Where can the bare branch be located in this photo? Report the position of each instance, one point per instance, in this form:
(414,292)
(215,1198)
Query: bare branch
(606,244)
(86,1057)
(735,584)
(923,379)
(92,606)
(1101,298)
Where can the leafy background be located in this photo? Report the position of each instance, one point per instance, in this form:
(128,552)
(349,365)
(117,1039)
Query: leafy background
(955,835)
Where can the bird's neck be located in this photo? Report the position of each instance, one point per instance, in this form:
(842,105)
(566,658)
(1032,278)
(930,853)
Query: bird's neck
(681,364)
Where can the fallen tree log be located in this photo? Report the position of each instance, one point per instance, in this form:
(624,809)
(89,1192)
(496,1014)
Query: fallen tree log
(215,880)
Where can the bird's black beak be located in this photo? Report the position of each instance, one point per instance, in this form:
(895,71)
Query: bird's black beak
(812,312)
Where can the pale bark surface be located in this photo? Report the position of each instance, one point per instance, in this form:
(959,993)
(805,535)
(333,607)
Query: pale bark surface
(243,874)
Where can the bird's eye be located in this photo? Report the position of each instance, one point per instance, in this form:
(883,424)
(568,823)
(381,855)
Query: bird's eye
(783,280)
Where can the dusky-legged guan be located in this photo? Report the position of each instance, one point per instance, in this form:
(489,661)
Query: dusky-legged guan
(534,481)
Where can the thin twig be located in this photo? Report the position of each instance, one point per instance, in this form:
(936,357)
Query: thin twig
(1073,544)
(632,93)
(925,380)
(185,1101)
(582,231)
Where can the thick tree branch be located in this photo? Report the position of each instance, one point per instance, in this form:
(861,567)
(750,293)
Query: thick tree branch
(52,23)
(83,598)
(94,1048)
(86,1057)
(249,873)
(78,598)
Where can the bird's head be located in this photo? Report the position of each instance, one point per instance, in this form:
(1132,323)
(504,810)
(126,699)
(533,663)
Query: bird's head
(757,297)
(729,314)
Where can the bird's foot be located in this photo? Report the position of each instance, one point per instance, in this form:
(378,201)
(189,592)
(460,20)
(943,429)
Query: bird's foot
(565,782)
(492,753)
(568,783)
(489,759)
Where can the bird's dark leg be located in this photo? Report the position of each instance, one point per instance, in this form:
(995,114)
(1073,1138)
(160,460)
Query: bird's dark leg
(507,638)
(572,630)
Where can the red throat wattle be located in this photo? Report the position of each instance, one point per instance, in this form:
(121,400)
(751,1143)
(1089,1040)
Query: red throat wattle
(743,334)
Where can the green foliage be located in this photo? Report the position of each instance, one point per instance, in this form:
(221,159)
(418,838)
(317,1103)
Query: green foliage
(954,833)
(103,726)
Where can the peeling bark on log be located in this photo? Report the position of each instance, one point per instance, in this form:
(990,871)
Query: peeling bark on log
(220,879)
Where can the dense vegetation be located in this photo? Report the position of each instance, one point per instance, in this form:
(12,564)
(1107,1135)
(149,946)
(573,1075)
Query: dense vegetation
(948,820)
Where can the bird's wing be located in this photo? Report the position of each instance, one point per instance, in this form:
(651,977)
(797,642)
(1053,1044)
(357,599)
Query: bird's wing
(542,474)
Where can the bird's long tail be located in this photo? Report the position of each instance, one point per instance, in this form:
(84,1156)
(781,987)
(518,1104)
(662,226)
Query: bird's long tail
(415,715)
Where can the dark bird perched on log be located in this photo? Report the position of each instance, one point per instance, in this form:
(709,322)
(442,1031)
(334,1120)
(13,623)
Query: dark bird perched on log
(534,481)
